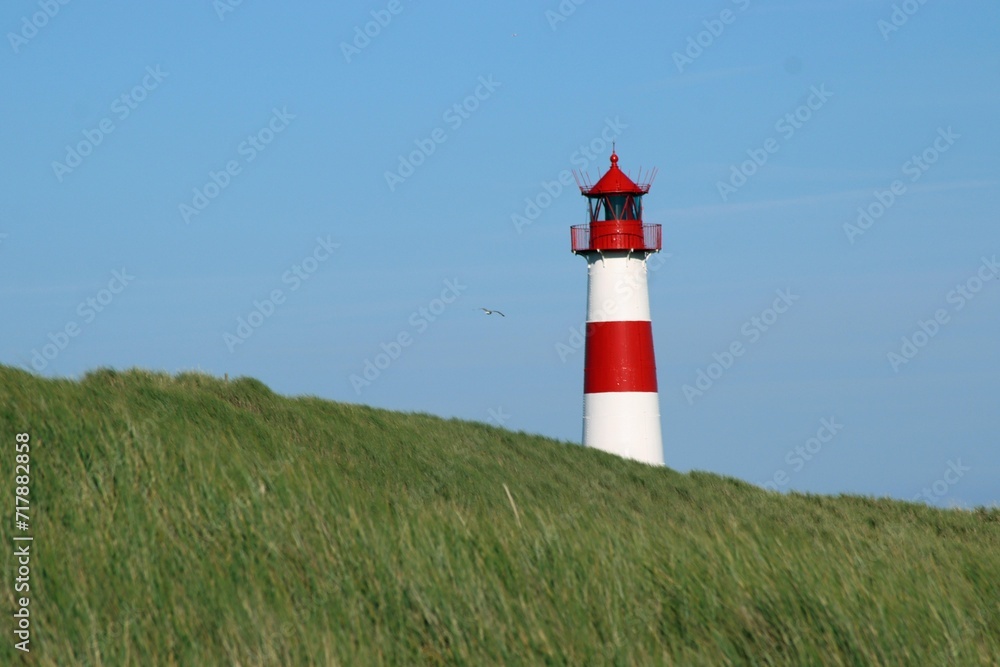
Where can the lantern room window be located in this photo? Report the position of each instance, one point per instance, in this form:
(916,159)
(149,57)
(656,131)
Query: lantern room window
(615,207)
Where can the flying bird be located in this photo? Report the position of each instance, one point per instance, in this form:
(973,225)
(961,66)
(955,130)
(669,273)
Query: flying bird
(490,312)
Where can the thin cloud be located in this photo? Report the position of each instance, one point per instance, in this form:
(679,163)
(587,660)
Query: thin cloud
(701,77)
(708,210)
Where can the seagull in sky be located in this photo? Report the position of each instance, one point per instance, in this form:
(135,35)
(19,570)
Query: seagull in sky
(490,312)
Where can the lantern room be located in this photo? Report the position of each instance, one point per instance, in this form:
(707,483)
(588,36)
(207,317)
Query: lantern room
(614,205)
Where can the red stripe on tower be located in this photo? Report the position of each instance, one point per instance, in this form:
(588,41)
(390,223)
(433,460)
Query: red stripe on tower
(619,357)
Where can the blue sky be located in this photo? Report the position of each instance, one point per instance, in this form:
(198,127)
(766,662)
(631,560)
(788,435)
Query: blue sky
(267,190)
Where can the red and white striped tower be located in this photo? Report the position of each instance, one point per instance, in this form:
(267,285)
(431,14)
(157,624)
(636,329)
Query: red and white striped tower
(621,406)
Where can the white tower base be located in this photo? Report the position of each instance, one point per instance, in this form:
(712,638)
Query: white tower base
(625,423)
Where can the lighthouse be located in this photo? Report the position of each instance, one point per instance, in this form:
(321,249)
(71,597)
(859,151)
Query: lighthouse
(621,406)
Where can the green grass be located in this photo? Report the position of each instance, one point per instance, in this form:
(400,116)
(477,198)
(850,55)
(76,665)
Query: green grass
(186,520)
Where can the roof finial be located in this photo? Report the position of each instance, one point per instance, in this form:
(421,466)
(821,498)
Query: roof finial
(614,155)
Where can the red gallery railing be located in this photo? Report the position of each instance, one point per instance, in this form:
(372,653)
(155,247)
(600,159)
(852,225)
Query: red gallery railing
(616,235)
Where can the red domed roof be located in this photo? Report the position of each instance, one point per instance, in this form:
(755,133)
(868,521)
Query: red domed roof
(615,182)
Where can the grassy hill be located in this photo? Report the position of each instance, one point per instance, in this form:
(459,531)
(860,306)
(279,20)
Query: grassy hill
(191,521)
